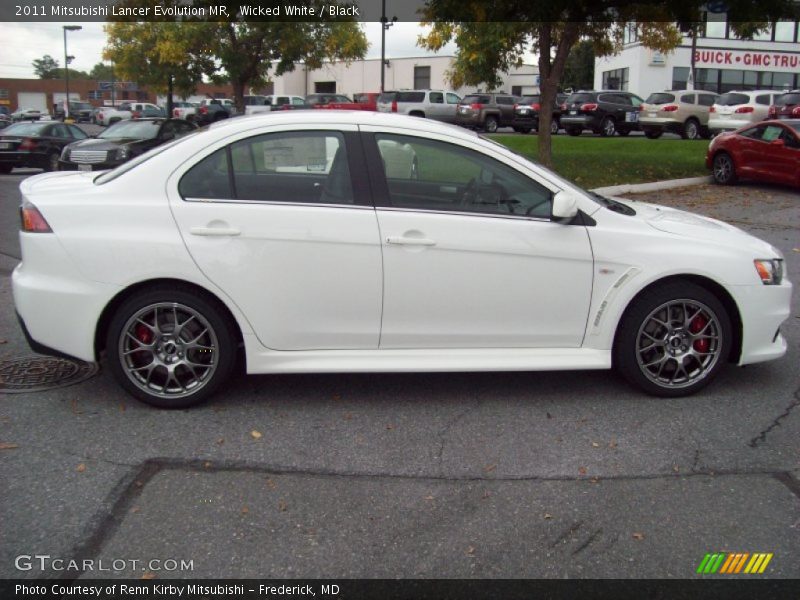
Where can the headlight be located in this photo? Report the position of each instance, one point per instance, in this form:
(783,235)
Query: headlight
(123,152)
(65,154)
(770,270)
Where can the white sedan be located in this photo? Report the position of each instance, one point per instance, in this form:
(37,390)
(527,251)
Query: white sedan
(304,242)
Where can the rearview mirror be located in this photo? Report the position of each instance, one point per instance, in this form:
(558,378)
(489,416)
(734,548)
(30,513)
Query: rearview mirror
(565,205)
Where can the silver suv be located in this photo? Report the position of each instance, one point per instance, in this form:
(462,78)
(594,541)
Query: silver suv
(432,104)
(677,111)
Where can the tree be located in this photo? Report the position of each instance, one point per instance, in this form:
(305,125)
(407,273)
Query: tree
(579,68)
(249,51)
(243,52)
(160,55)
(102,72)
(552,29)
(46,67)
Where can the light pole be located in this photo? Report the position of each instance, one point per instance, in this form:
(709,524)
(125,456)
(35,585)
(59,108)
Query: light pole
(67,58)
(385,25)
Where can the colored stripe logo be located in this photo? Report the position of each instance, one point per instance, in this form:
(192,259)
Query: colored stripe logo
(732,563)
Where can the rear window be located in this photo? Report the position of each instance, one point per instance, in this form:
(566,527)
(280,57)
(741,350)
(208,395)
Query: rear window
(529,99)
(660,98)
(25,128)
(732,99)
(475,99)
(410,96)
(788,99)
(580,97)
(387,97)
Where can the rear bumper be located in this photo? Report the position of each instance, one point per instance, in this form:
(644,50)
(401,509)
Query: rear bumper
(23,159)
(717,124)
(582,121)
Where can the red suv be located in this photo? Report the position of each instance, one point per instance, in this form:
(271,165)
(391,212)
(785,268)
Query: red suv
(786,106)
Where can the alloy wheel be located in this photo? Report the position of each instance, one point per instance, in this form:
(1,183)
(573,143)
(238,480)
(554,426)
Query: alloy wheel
(679,343)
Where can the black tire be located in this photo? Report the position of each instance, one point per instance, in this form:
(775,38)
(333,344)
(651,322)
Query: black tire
(490,124)
(525,130)
(51,163)
(574,131)
(723,169)
(624,132)
(416,113)
(171,348)
(653,134)
(691,130)
(638,354)
(608,127)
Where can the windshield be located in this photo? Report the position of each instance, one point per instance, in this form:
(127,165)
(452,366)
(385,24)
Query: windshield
(387,97)
(143,130)
(131,164)
(731,99)
(660,98)
(25,129)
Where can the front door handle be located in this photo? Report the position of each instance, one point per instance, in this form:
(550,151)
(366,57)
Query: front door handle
(409,241)
(215,231)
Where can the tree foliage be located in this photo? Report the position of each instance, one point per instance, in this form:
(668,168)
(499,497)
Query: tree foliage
(493,38)
(244,53)
(102,72)
(46,67)
(579,68)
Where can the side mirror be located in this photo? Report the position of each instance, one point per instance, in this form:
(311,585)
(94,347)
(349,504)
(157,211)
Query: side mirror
(565,205)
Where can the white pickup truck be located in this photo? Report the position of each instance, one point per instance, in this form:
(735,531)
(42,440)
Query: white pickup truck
(259,104)
(128,110)
(184,110)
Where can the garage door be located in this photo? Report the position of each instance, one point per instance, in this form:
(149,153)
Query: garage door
(37,100)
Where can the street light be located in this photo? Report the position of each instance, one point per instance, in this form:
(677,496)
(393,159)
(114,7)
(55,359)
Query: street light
(67,59)
(385,25)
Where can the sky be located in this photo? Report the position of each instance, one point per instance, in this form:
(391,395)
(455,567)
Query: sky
(33,40)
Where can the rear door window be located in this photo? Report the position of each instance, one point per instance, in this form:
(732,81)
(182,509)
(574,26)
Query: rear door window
(436,97)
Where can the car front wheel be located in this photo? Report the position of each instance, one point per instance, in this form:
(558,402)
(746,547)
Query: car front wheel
(170,347)
(490,125)
(723,169)
(673,340)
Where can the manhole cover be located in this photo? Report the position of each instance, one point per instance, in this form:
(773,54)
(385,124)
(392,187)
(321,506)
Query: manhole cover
(39,373)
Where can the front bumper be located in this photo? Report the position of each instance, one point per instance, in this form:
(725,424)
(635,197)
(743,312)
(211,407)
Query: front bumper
(763,308)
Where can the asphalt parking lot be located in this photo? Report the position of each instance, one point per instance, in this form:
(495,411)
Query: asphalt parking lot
(516,475)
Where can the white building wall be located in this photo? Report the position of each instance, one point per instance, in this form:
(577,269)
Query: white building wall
(647,75)
(365,76)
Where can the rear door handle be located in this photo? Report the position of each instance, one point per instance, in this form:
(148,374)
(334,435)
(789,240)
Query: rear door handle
(409,241)
(215,231)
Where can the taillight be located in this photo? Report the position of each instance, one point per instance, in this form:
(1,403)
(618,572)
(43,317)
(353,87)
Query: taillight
(713,109)
(589,107)
(669,108)
(796,111)
(32,220)
(515,106)
(536,106)
(564,106)
(394,105)
(203,110)
(28,144)
(476,106)
(175,113)
(744,109)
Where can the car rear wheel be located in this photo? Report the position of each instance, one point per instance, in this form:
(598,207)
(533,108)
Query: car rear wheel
(608,127)
(170,347)
(673,340)
(691,130)
(652,134)
(723,169)
(490,124)
(554,127)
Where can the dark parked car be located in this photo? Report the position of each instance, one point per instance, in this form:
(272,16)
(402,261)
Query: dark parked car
(486,111)
(605,112)
(526,114)
(80,111)
(767,151)
(5,117)
(787,106)
(121,142)
(36,145)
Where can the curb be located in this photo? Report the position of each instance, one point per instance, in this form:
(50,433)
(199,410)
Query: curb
(654,186)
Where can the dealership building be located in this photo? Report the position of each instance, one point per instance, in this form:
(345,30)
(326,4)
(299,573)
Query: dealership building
(771,60)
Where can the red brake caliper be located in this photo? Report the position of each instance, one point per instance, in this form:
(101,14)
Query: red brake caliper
(698,323)
(143,334)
